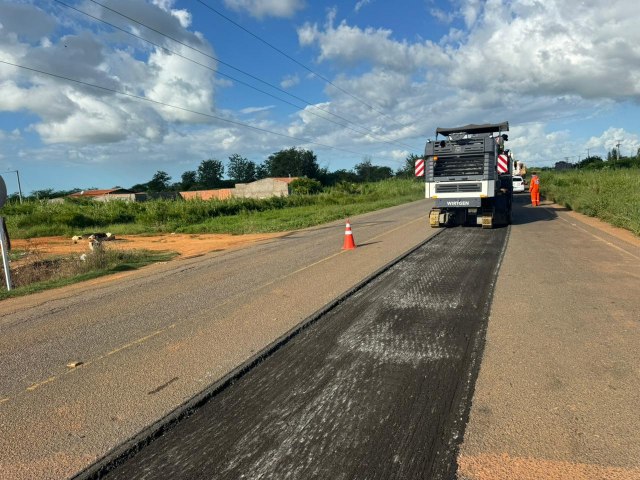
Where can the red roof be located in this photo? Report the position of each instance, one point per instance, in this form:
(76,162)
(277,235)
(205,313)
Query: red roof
(285,179)
(97,193)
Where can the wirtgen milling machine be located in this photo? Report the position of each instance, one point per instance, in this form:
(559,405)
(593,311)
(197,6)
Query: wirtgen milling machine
(468,173)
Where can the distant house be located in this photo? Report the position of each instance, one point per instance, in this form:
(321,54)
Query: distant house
(267,187)
(161,196)
(264,188)
(220,194)
(111,194)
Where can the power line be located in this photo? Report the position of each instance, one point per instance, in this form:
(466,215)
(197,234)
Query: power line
(270,45)
(368,131)
(173,52)
(157,102)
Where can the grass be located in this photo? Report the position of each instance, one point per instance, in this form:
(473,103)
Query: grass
(52,272)
(235,216)
(610,195)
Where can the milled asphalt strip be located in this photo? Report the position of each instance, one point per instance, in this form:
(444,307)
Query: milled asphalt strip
(379,389)
(129,448)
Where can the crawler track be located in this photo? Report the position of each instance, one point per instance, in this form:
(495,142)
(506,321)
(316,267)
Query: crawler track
(378,388)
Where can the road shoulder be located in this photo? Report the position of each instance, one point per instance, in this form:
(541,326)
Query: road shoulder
(556,395)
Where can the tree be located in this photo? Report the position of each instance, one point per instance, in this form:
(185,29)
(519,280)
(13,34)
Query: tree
(293,162)
(333,178)
(240,169)
(408,169)
(44,193)
(591,162)
(139,187)
(189,180)
(261,171)
(210,173)
(159,182)
(372,173)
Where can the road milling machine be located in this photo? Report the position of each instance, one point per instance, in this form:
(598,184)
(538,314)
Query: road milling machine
(468,173)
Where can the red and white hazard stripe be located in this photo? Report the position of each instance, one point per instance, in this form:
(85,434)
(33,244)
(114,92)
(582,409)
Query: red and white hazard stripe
(503,163)
(419,167)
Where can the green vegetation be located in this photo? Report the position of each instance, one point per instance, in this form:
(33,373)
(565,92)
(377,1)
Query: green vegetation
(290,162)
(608,194)
(53,272)
(302,209)
(305,186)
(317,196)
(37,218)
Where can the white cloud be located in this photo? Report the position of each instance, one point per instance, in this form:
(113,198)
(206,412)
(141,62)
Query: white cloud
(94,122)
(351,46)
(180,83)
(399,154)
(360,4)
(69,112)
(157,15)
(629,142)
(39,24)
(12,135)
(551,48)
(519,60)
(250,110)
(183,16)
(442,16)
(529,48)
(267,8)
(290,81)
(470,10)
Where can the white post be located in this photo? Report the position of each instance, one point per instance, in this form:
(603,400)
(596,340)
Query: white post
(4,246)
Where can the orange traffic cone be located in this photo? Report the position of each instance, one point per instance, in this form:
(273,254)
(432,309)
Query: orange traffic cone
(349,244)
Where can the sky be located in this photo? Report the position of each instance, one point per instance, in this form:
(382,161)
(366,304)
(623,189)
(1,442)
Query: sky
(104,93)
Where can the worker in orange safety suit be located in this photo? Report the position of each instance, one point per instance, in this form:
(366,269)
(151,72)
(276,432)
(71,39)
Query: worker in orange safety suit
(534,189)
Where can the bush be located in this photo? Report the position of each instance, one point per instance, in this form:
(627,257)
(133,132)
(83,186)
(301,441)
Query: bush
(305,186)
(349,188)
(611,195)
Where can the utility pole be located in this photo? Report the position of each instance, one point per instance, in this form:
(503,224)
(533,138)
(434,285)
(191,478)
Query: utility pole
(617,152)
(19,187)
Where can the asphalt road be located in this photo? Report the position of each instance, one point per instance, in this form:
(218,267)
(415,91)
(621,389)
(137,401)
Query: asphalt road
(152,340)
(558,394)
(557,391)
(377,388)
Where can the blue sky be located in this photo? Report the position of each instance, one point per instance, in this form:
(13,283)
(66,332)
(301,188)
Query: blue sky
(564,73)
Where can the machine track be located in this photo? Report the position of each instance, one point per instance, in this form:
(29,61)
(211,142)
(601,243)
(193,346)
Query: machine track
(379,387)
